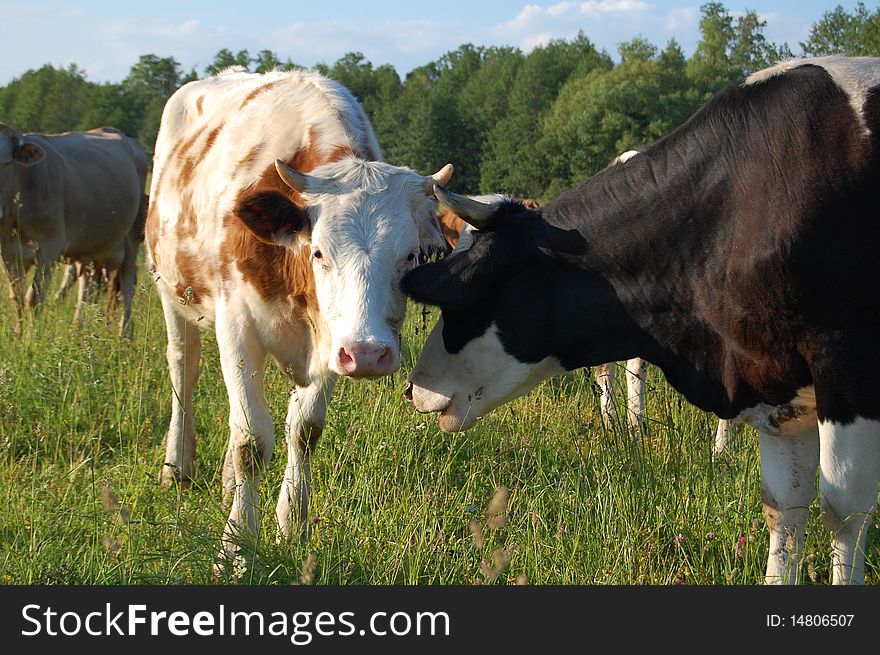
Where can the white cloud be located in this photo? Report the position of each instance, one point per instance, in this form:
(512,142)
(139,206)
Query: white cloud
(605,22)
(381,42)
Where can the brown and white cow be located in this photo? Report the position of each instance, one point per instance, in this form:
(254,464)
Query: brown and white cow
(273,220)
(76,195)
(751,286)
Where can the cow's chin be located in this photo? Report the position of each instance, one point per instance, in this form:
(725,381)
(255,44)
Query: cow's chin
(457,418)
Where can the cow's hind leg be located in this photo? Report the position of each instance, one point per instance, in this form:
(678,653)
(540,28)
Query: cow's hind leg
(848,480)
(124,281)
(82,283)
(636,375)
(722,435)
(788,487)
(305,421)
(68,278)
(605,374)
(183,352)
(42,276)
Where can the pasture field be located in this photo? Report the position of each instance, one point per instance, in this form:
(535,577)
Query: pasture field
(82,419)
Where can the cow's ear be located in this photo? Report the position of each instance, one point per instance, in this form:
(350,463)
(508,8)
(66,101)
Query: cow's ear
(272,217)
(446,285)
(29,154)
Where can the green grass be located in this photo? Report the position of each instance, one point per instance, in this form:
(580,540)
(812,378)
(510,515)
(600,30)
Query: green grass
(396,501)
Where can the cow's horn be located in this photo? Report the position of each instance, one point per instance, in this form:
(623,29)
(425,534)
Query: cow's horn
(440,178)
(473,212)
(294,179)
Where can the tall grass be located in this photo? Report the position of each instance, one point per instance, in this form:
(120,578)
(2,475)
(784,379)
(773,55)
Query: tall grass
(82,419)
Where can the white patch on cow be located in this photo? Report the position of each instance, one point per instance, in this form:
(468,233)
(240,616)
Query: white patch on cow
(362,215)
(469,384)
(788,487)
(792,418)
(624,157)
(849,473)
(855,76)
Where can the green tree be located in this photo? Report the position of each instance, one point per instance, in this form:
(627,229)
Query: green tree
(513,162)
(599,115)
(46,100)
(729,49)
(266,61)
(147,87)
(842,33)
(224,59)
(105,105)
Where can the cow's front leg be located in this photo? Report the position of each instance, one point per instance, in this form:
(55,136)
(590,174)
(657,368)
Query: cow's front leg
(305,422)
(849,474)
(251,438)
(788,487)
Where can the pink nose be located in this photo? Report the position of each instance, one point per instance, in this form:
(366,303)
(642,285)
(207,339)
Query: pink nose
(366,360)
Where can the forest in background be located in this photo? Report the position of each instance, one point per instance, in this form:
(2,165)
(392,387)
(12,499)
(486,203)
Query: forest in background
(528,125)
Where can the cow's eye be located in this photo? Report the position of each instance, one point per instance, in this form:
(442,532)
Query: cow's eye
(411,257)
(317,254)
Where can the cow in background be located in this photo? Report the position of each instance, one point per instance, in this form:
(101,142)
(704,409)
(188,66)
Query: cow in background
(91,278)
(76,195)
(274,221)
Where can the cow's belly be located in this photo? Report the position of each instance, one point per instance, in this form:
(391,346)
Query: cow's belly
(787,420)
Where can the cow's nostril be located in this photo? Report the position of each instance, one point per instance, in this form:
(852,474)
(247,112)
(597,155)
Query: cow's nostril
(344,357)
(407,391)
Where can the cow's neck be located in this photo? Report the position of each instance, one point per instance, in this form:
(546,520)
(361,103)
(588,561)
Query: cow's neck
(652,234)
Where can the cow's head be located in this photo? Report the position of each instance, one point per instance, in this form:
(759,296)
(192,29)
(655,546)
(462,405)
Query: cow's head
(15,151)
(365,224)
(16,154)
(491,343)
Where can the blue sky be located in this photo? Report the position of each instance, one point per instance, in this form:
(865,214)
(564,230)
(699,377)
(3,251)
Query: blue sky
(105,38)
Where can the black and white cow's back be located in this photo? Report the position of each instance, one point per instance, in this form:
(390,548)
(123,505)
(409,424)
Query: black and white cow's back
(752,286)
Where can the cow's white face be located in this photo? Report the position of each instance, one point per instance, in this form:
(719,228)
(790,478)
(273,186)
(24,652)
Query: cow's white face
(362,242)
(486,348)
(467,384)
(366,224)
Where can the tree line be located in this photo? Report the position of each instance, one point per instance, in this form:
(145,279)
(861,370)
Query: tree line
(528,125)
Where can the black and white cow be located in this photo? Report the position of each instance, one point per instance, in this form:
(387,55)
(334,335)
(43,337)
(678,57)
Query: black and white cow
(751,286)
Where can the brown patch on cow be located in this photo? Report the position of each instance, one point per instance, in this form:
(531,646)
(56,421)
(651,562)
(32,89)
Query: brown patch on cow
(199,102)
(191,290)
(209,142)
(772,516)
(451,225)
(274,271)
(531,203)
(339,153)
(260,89)
(152,225)
(186,160)
(187,226)
(250,158)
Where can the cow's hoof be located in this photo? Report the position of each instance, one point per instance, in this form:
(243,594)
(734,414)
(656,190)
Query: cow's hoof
(170,478)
